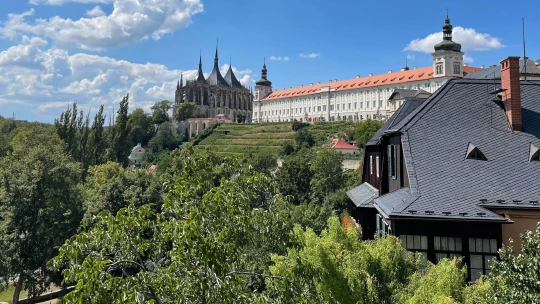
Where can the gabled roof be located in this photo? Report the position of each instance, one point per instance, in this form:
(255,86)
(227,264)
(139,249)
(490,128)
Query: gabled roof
(231,79)
(340,144)
(363,82)
(435,139)
(405,93)
(363,195)
(408,106)
(494,72)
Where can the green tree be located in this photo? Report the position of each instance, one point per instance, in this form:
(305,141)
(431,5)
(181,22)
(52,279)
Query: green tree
(366,129)
(200,248)
(287,148)
(304,139)
(514,277)
(336,267)
(294,177)
(442,283)
(141,128)
(109,187)
(264,162)
(40,206)
(97,142)
(186,111)
(160,111)
(165,140)
(327,172)
(120,142)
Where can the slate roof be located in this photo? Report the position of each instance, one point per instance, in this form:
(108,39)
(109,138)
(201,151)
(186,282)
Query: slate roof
(435,138)
(409,105)
(215,77)
(231,79)
(494,72)
(405,93)
(363,195)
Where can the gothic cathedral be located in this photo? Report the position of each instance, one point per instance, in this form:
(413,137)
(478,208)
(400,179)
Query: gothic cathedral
(215,95)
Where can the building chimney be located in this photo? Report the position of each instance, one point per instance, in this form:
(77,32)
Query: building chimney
(301,85)
(389,71)
(318,82)
(414,68)
(482,67)
(335,80)
(402,69)
(466,64)
(370,74)
(329,81)
(512,94)
(311,84)
(357,76)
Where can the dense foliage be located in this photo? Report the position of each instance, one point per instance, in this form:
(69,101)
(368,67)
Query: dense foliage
(209,228)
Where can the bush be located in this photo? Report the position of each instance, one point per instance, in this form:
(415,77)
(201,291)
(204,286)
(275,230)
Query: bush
(296,125)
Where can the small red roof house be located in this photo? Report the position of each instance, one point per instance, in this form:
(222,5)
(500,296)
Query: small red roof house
(344,147)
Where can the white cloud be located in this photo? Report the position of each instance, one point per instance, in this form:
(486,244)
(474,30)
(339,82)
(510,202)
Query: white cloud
(410,56)
(46,79)
(130,21)
(468,59)
(95,12)
(60,2)
(311,55)
(285,58)
(469,39)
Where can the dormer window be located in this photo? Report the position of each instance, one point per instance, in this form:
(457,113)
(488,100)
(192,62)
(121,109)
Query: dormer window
(534,154)
(475,153)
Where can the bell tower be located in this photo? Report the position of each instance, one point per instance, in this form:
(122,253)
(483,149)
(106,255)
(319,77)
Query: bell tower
(263,87)
(447,58)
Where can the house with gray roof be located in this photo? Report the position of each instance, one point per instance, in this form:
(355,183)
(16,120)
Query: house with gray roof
(456,174)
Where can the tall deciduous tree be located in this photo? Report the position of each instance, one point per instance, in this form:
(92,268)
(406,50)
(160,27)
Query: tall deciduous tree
(294,177)
(160,111)
(198,249)
(187,110)
(140,127)
(120,142)
(97,141)
(366,129)
(327,173)
(40,206)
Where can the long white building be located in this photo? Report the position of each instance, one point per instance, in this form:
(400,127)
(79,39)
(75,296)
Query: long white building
(359,98)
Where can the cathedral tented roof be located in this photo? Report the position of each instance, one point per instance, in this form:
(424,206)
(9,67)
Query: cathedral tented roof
(231,79)
(215,77)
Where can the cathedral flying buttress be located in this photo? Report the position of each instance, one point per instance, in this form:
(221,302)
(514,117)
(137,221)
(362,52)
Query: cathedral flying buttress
(215,95)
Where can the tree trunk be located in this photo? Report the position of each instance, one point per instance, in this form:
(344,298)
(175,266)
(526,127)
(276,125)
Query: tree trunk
(18,288)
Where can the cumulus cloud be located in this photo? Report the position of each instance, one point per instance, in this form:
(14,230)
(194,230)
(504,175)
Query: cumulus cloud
(468,59)
(130,21)
(48,78)
(469,39)
(95,12)
(285,58)
(311,55)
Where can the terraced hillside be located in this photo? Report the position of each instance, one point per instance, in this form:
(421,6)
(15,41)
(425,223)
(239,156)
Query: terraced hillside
(244,139)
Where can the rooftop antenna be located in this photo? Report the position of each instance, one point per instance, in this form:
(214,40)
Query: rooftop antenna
(524,49)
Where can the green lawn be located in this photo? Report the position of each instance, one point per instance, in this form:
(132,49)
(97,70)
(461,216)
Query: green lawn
(7,295)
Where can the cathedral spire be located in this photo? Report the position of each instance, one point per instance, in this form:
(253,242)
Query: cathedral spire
(216,58)
(200,75)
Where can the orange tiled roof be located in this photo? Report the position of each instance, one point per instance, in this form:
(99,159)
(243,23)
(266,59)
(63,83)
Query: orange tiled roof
(363,82)
(340,144)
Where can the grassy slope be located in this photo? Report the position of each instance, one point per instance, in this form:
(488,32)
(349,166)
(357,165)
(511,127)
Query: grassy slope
(244,139)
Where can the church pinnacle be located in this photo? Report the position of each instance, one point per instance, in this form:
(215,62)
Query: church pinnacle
(200,75)
(447,44)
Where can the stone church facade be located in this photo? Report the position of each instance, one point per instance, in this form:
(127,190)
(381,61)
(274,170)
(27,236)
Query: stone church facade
(215,95)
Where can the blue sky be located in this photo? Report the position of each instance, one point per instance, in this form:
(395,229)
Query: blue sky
(54,52)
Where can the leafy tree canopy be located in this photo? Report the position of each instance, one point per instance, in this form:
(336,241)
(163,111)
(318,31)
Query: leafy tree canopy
(187,110)
(160,111)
